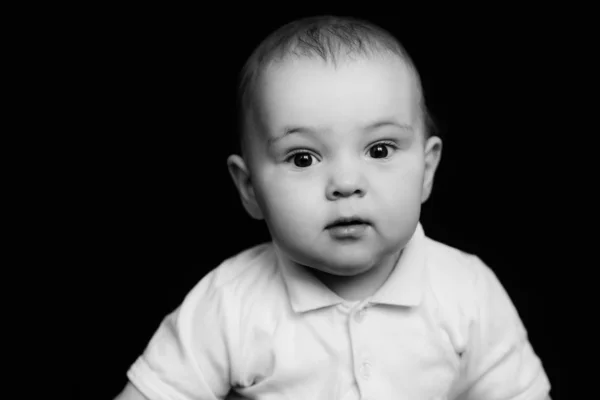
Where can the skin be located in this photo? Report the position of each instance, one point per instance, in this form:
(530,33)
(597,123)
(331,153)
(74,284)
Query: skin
(354,147)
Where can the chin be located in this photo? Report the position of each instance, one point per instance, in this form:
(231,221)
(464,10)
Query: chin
(347,271)
(343,262)
(348,265)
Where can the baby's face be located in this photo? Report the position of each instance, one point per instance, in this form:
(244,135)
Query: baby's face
(337,143)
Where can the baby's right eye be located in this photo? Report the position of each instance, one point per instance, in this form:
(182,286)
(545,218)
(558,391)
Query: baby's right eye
(301,159)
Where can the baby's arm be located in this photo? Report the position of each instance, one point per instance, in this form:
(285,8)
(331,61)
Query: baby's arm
(131,393)
(188,356)
(500,361)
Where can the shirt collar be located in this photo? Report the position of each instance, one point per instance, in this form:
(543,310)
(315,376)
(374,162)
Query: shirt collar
(404,287)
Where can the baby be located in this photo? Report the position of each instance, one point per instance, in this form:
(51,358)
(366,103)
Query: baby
(350,299)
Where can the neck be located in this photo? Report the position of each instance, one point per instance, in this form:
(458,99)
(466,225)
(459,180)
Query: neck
(361,286)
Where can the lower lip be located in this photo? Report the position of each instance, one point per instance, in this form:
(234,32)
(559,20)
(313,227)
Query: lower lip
(348,231)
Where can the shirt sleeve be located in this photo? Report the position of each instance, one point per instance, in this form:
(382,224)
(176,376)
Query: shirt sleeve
(188,357)
(500,361)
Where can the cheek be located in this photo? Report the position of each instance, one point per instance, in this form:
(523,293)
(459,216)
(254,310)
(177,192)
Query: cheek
(289,201)
(401,186)
(398,197)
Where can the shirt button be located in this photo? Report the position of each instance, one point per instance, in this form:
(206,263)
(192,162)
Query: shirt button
(365,370)
(359,316)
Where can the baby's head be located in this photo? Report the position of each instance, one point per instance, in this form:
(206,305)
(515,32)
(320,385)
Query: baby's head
(336,154)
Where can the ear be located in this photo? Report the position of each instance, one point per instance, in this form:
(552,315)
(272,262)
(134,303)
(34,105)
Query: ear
(241,178)
(433,154)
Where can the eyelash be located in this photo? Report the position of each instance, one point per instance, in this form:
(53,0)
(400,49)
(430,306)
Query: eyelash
(289,158)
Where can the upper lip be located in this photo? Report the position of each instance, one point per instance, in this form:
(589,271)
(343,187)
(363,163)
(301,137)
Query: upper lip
(348,221)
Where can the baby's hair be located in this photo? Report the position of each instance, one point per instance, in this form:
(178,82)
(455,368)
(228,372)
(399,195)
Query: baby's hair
(330,38)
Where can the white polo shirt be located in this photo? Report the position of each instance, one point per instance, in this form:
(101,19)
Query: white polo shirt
(441,327)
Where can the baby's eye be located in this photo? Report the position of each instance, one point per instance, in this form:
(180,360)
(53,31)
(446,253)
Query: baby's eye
(381,150)
(301,159)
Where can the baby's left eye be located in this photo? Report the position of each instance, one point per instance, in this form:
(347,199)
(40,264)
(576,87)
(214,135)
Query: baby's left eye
(381,150)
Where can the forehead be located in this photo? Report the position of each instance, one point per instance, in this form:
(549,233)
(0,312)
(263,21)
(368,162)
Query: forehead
(353,93)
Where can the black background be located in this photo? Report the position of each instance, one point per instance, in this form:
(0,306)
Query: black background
(158,209)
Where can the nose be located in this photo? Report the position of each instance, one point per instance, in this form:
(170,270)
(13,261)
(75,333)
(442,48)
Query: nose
(345,181)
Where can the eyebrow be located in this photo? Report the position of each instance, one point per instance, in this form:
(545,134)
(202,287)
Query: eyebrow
(310,130)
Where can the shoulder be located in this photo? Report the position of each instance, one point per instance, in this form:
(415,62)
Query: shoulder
(249,277)
(239,274)
(250,264)
(452,266)
(455,277)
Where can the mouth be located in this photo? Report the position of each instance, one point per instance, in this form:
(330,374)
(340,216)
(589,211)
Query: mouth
(347,222)
(348,229)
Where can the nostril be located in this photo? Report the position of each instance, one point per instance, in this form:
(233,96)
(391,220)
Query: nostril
(348,193)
